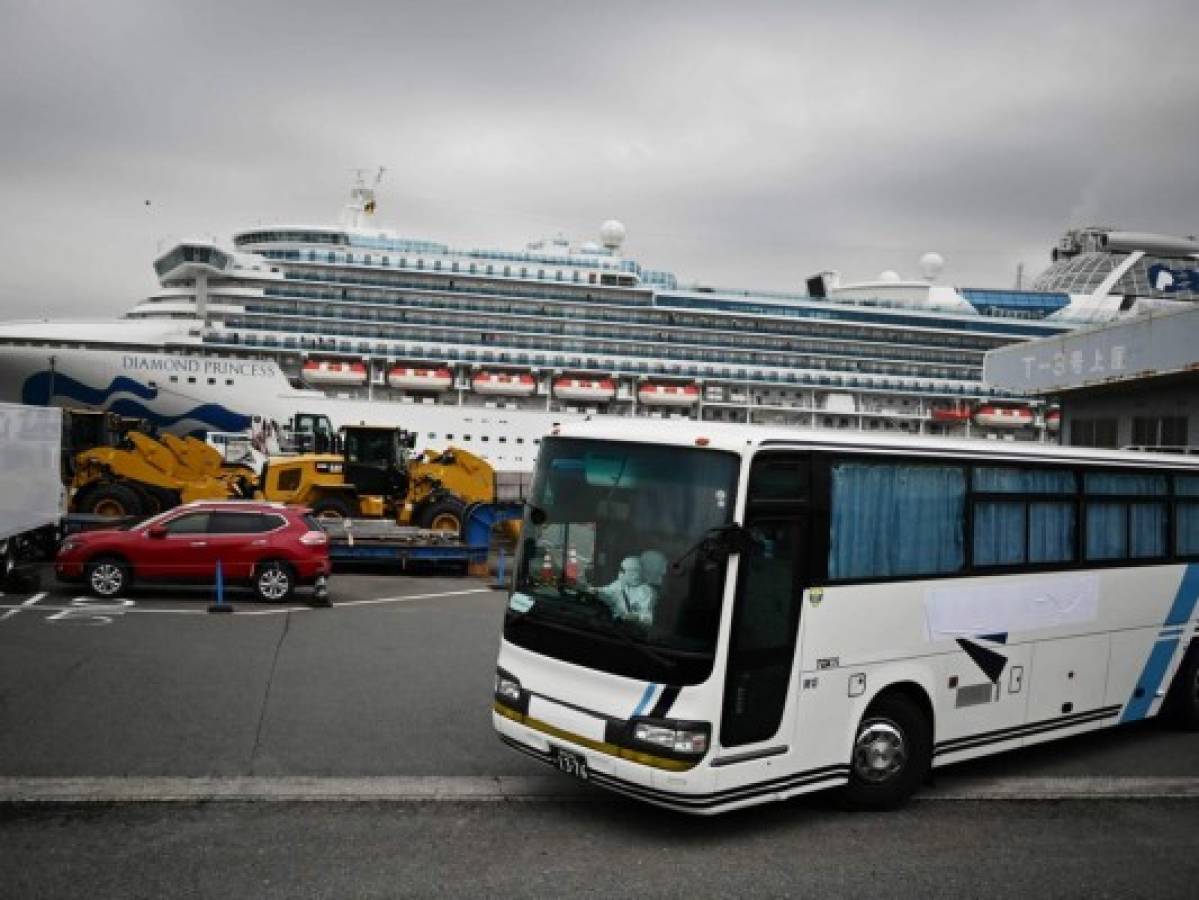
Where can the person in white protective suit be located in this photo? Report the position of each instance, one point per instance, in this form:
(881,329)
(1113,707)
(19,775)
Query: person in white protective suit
(634,593)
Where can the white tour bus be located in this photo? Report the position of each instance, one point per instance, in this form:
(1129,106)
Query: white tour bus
(708,617)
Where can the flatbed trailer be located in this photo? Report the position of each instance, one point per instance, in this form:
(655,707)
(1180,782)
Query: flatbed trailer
(382,542)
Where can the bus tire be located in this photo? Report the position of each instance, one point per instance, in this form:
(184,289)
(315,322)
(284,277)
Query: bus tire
(1182,703)
(891,754)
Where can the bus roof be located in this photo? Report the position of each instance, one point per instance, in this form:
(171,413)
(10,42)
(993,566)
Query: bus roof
(747,439)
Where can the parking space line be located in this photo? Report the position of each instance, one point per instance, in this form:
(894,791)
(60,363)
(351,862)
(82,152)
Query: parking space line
(414,597)
(13,610)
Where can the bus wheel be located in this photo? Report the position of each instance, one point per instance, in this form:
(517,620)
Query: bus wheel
(891,755)
(1182,703)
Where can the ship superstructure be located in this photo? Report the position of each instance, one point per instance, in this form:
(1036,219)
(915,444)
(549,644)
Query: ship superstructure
(490,348)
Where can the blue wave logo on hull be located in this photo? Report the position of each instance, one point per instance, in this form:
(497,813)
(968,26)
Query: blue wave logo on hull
(36,392)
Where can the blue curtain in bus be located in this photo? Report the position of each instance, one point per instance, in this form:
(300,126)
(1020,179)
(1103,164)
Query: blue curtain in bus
(1107,536)
(897,520)
(1147,530)
(998,533)
(1186,537)
(1121,483)
(1006,480)
(1050,532)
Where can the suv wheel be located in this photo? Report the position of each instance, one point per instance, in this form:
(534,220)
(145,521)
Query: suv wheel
(274,582)
(107,577)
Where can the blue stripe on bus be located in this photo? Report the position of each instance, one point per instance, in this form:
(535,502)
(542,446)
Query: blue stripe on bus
(1184,600)
(645,698)
(1150,680)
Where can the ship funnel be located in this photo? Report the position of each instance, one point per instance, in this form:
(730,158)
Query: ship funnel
(1157,244)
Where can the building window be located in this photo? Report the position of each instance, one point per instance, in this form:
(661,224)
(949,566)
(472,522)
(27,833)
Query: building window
(1159,431)
(1101,432)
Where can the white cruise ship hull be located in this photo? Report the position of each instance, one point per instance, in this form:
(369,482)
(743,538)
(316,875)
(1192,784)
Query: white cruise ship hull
(192,392)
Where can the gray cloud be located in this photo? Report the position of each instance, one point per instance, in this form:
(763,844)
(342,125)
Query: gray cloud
(742,144)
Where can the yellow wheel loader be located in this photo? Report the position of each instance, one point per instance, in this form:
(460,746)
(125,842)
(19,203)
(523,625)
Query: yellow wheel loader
(142,477)
(372,476)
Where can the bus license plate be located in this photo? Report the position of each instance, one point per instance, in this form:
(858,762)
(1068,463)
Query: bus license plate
(570,763)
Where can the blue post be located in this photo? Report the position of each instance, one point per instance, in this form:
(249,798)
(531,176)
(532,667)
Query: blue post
(220,606)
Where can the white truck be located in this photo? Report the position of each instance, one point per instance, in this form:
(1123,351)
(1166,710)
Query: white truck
(32,498)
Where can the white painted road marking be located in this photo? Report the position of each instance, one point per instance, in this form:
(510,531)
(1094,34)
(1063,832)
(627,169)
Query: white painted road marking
(85,607)
(92,612)
(473,789)
(13,610)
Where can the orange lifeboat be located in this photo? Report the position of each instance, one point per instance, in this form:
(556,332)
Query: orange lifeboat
(652,394)
(586,390)
(334,372)
(957,412)
(992,416)
(413,379)
(504,384)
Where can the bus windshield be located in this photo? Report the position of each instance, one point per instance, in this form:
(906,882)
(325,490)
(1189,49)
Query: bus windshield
(613,570)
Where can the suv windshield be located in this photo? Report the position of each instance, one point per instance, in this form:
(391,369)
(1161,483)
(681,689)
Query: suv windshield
(613,571)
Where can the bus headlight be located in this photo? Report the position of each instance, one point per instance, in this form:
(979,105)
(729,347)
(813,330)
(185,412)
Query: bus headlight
(683,738)
(507,689)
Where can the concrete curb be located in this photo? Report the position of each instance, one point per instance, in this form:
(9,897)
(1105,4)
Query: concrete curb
(503,788)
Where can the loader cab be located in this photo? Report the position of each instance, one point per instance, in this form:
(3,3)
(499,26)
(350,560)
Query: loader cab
(376,460)
(313,433)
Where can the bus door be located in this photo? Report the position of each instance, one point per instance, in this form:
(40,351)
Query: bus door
(770,583)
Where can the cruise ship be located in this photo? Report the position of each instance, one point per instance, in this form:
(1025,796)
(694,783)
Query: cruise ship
(489,349)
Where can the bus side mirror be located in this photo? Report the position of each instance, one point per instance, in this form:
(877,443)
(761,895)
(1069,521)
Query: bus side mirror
(730,539)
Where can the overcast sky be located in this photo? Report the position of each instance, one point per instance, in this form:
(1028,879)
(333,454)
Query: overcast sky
(742,144)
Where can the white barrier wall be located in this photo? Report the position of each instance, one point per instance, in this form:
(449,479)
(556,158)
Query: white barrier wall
(31,492)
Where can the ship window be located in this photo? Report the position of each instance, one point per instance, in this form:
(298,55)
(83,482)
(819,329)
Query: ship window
(520,440)
(449,437)
(174,378)
(229,381)
(212,381)
(191,380)
(466,437)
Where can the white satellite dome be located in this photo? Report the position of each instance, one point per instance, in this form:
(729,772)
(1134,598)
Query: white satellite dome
(612,234)
(890,276)
(931,265)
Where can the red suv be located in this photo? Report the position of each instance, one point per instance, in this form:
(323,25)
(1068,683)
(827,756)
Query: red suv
(271,547)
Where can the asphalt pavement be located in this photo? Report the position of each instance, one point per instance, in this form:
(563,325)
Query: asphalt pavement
(384,700)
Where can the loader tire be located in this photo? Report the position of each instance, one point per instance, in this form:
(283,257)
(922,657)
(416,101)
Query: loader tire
(117,501)
(444,513)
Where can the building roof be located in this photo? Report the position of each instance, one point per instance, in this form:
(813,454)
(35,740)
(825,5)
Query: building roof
(1145,346)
